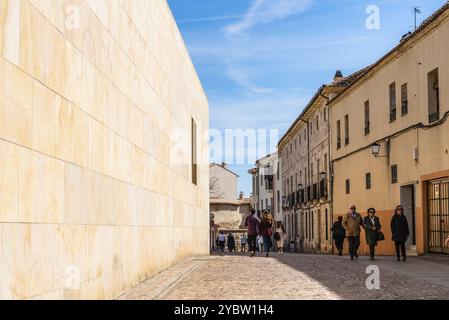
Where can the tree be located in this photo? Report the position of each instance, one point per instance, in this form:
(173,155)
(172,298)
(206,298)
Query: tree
(214,189)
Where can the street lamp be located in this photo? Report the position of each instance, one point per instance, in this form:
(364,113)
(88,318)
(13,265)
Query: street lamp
(375,149)
(300,187)
(323,175)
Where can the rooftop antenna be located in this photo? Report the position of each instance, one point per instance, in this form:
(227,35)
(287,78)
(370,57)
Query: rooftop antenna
(416,11)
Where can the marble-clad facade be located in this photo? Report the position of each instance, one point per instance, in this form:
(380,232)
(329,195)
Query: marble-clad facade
(93,97)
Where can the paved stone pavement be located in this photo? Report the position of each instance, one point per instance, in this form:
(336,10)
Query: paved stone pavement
(293,276)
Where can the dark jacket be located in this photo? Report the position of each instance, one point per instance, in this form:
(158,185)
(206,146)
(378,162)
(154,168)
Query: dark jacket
(370,234)
(265,228)
(399,228)
(338,231)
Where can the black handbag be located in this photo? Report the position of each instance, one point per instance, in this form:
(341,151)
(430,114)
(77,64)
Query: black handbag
(380,236)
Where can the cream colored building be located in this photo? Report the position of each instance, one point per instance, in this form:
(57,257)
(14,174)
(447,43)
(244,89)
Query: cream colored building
(400,105)
(223,182)
(266,185)
(101,183)
(304,152)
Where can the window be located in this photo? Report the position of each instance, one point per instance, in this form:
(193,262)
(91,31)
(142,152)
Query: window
(368,181)
(324,114)
(277,173)
(394,174)
(367,119)
(278,195)
(325,163)
(312,227)
(346,130)
(307,226)
(434,95)
(311,128)
(299,139)
(338,134)
(194,136)
(311,172)
(348,186)
(317,123)
(404,99)
(393,102)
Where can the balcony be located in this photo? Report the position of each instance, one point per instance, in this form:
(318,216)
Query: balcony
(434,117)
(309,194)
(315,195)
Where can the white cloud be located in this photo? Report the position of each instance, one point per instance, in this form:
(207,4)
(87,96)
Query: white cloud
(266,11)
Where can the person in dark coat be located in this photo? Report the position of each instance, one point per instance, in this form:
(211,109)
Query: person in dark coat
(372,226)
(231,243)
(339,235)
(400,231)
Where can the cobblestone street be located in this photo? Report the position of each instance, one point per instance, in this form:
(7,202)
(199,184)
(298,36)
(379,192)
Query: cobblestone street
(293,276)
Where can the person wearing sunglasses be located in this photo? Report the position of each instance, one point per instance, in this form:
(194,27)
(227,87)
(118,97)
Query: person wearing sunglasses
(372,229)
(400,231)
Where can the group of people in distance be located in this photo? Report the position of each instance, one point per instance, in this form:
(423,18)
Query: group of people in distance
(260,233)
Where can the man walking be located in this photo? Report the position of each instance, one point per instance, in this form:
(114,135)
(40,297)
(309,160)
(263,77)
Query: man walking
(252,223)
(352,222)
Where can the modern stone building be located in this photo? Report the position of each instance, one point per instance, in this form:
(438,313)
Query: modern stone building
(304,151)
(390,138)
(101,181)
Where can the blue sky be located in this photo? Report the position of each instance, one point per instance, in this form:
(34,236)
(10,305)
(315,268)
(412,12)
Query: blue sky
(260,61)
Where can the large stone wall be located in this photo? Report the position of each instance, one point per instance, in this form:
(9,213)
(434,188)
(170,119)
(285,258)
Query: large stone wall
(89,186)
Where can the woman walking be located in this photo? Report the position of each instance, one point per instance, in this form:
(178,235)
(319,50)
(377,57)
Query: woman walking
(400,231)
(372,227)
(266,231)
(339,235)
(279,236)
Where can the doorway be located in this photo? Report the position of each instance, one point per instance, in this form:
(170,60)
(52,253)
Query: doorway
(408,203)
(438,215)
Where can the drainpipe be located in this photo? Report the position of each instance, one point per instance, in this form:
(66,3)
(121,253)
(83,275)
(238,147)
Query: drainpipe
(331,167)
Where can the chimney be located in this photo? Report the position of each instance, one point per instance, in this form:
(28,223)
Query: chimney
(338,76)
(224,165)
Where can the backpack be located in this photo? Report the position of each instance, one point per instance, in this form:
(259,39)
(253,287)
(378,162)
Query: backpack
(277,236)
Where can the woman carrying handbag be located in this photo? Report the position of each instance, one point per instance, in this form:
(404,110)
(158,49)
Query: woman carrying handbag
(373,234)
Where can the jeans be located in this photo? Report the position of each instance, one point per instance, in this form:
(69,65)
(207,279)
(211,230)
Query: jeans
(354,244)
(400,249)
(339,243)
(252,243)
(267,243)
(222,245)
